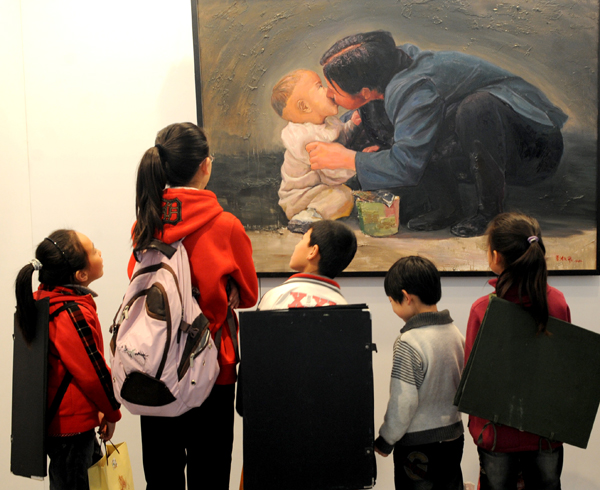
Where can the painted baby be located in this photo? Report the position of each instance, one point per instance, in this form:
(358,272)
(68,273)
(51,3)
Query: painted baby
(307,195)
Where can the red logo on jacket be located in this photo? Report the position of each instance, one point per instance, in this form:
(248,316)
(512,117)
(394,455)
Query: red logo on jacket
(171,211)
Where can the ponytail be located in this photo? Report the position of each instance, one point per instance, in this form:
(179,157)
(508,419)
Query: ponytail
(179,149)
(518,239)
(58,257)
(151,180)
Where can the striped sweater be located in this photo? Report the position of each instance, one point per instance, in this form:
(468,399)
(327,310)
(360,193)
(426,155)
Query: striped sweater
(428,361)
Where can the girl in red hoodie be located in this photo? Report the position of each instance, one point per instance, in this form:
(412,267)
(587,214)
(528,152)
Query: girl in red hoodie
(68,262)
(516,253)
(172,203)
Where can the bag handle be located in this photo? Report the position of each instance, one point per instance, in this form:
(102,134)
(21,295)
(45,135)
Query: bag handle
(480,438)
(103,442)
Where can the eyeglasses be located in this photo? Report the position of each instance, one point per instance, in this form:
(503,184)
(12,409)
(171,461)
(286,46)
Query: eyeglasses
(210,158)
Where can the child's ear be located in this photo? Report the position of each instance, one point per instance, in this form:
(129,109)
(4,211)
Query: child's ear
(314,252)
(407,297)
(303,106)
(496,257)
(205,165)
(81,276)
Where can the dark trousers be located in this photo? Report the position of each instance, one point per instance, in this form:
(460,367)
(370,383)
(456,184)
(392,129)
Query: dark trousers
(201,439)
(70,458)
(541,469)
(484,141)
(429,466)
(526,152)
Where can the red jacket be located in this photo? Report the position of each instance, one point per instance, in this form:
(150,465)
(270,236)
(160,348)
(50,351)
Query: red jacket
(218,249)
(82,354)
(508,439)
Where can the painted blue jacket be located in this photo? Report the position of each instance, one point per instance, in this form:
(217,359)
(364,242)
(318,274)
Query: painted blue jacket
(417,98)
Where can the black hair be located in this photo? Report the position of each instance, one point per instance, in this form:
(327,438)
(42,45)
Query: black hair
(416,275)
(337,246)
(368,59)
(61,255)
(518,239)
(174,160)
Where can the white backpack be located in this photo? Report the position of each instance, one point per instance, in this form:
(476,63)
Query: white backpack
(163,358)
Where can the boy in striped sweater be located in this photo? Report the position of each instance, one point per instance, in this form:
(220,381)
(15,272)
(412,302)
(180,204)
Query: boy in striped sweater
(421,425)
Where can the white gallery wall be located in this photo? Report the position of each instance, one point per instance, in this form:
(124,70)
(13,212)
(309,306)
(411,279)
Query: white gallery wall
(84,87)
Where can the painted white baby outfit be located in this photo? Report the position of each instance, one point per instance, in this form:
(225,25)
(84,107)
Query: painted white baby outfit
(301,187)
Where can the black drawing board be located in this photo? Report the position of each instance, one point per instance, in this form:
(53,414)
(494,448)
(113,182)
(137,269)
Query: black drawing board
(545,384)
(29,391)
(308,399)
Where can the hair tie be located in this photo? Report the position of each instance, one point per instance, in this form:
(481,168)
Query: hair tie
(60,250)
(532,239)
(37,265)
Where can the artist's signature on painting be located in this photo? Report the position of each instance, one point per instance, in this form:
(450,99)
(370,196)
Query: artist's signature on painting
(567,258)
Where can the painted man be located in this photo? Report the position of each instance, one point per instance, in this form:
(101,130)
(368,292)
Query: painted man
(451,117)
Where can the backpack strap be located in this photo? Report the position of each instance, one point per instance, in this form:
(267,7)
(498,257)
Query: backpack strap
(167,250)
(232,330)
(151,268)
(64,384)
(60,309)
(232,327)
(58,398)
(156,267)
(196,327)
(85,334)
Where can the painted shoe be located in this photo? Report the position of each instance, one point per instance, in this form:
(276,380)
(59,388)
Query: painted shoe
(301,222)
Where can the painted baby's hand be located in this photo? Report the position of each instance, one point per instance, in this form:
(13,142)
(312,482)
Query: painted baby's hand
(356,119)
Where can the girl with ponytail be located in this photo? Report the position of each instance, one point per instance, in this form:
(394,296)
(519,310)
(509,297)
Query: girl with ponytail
(516,253)
(172,204)
(67,262)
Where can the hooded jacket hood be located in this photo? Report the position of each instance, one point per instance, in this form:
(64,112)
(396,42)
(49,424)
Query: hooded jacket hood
(201,207)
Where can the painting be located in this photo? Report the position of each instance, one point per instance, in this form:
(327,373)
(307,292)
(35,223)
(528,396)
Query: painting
(541,63)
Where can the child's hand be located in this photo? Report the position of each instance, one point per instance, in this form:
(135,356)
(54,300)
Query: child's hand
(234,295)
(371,149)
(106,429)
(380,453)
(356,119)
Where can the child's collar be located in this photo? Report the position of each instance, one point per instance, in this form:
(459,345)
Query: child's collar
(82,290)
(426,319)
